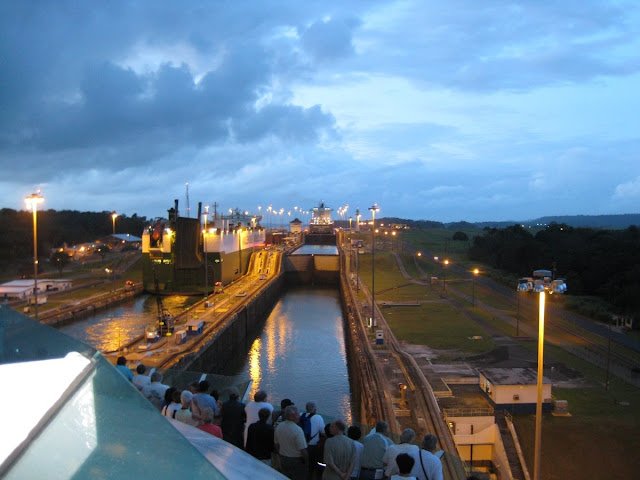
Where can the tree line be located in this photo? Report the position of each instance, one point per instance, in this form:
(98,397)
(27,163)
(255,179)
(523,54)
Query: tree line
(597,262)
(55,228)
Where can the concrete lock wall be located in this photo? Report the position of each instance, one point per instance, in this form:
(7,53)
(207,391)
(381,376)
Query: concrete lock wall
(329,263)
(312,269)
(232,339)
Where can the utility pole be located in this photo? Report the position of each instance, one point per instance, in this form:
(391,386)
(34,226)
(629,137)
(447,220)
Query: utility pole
(188,207)
(206,260)
(606,383)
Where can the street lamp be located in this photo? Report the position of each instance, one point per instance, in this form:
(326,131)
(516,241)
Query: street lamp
(206,260)
(109,273)
(374,208)
(444,274)
(473,286)
(32,202)
(357,271)
(538,441)
(114,215)
(518,314)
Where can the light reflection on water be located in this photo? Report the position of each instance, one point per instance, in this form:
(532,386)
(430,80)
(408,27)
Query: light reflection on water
(301,354)
(111,329)
(316,250)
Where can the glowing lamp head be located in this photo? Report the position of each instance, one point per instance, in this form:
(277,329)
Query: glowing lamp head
(34,200)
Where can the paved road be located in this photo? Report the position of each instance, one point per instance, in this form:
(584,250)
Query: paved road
(530,301)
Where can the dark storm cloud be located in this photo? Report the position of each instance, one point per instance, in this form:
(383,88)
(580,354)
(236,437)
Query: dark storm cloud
(330,39)
(63,87)
(116,106)
(126,101)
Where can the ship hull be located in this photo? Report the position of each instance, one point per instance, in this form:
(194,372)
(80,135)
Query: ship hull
(188,262)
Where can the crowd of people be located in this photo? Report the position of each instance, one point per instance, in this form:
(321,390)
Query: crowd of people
(299,445)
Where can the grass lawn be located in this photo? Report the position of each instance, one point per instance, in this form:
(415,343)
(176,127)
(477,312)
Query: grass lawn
(598,440)
(438,325)
(575,447)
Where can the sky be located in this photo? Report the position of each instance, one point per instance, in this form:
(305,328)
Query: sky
(446,111)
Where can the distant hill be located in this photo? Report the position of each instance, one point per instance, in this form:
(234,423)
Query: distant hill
(594,221)
(590,221)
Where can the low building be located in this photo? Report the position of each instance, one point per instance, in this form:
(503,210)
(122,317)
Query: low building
(295,226)
(79,252)
(514,389)
(122,240)
(23,288)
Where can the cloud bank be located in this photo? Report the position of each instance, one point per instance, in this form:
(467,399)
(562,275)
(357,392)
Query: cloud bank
(434,111)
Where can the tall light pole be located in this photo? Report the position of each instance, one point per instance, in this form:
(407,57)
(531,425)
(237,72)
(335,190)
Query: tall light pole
(114,215)
(374,208)
(444,273)
(206,260)
(538,441)
(518,315)
(32,202)
(606,383)
(473,287)
(357,271)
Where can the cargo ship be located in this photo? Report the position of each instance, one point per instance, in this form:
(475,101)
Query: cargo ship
(190,255)
(321,221)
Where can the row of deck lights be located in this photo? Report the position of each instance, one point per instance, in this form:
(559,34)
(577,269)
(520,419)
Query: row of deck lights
(274,211)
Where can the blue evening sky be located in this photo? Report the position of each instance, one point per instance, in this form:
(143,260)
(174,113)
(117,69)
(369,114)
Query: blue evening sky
(456,110)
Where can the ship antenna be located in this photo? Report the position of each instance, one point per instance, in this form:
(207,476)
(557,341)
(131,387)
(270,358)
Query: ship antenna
(188,208)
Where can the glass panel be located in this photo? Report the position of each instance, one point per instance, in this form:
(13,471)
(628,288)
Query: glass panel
(101,427)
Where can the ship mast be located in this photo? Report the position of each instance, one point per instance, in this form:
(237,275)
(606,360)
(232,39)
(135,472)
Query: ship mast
(188,207)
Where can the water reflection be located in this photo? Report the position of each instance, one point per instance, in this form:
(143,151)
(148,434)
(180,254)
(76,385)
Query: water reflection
(114,328)
(301,353)
(316,250)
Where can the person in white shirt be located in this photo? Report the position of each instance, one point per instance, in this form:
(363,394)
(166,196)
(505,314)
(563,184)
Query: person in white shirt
(141,380)
(252,409)
(155,390)
(405,464)
(291,445)
(354,433)
(405,446)
(175,405)
(428,466)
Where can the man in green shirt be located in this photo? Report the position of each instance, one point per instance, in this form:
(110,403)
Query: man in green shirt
(374,447)
(339,453)
(291,445)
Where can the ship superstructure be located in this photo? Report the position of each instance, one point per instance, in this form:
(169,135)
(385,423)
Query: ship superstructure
(321,221)
(187,257)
